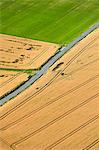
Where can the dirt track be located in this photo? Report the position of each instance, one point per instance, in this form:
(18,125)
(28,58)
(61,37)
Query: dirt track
(59,109)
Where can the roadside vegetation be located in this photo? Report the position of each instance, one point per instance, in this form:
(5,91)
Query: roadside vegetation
(30,72)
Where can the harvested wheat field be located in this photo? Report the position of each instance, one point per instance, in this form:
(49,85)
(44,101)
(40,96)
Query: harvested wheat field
(60,107)
(6,76)
(9,80)
(21,53)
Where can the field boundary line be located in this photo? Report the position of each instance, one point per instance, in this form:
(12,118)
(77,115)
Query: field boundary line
(36,57)
(43,88)
(47,65)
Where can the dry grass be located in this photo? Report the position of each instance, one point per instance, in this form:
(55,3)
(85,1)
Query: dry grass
(20,53)
(61,110)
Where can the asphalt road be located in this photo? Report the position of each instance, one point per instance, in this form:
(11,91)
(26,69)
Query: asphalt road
(45,68)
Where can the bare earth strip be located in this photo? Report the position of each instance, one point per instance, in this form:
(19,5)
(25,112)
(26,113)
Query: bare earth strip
(21,53)
(60,110)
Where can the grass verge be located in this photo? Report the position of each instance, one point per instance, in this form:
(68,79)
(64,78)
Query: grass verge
(28,71)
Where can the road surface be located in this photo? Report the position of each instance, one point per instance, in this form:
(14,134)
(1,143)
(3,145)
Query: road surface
(44,69)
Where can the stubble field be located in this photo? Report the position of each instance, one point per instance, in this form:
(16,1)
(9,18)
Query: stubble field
(20,58)
(9,80)
(60,107)
(20,53)
(60,111)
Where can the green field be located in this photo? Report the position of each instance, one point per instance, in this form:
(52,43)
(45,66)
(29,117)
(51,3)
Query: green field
(58,21)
